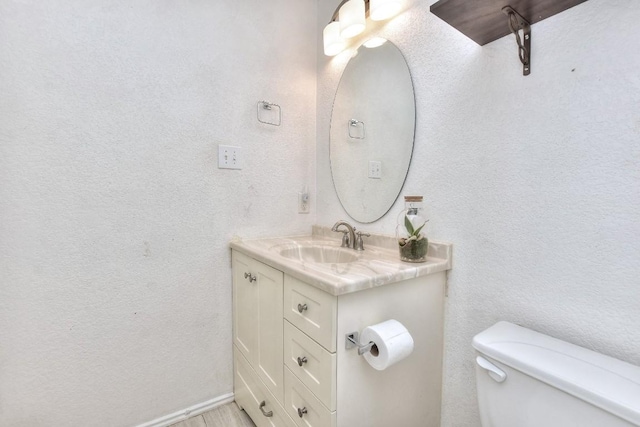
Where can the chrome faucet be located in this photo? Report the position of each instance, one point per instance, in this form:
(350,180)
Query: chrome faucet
(348,235)
(349,239)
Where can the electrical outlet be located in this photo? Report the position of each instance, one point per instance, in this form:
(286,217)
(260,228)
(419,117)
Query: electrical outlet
(303,202)
(375,169)
(229,157)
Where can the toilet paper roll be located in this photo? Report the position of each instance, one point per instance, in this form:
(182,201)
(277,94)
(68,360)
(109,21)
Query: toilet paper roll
(392,343)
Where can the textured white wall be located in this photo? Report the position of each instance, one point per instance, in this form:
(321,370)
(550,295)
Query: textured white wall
(115,284)
(536,180)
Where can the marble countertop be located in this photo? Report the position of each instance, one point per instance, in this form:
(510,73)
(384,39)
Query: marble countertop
(379,264)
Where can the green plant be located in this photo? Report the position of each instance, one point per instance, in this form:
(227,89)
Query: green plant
(414,247)
(414,234)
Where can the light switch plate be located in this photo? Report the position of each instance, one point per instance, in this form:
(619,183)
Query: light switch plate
(229,157)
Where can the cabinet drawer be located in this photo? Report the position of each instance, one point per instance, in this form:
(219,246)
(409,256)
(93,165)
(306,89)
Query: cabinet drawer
(312,311)
(314,366)
(250,393)
(303,407)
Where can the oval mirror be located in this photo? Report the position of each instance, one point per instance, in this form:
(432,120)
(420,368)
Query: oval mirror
(372,131)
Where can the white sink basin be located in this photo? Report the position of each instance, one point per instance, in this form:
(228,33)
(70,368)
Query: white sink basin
(320,254)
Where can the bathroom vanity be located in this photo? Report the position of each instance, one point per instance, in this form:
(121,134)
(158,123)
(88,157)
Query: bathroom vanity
(296,299)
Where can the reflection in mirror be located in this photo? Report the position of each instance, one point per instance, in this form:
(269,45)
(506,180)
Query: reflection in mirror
(372,131)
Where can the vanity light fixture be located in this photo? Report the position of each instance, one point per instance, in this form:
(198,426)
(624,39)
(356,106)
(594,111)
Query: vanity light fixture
(333,43)
(379,10)
(351,17)
(349,20)
(374,42)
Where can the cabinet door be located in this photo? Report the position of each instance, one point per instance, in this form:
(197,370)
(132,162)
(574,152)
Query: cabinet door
(270,329)
(245,301)
(257,319)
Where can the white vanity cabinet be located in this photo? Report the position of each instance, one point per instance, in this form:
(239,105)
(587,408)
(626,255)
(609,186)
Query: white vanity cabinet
(290,352)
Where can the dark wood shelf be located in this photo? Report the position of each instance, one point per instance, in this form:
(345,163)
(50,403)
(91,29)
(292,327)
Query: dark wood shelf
(483,20)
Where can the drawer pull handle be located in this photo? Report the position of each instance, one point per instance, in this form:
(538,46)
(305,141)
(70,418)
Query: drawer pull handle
(267,414)
(302,411)
(302,360)
(302,307)
(250,277)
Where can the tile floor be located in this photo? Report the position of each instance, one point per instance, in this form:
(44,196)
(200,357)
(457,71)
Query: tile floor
(228,415)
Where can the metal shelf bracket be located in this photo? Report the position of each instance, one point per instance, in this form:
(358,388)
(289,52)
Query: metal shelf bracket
(516,24)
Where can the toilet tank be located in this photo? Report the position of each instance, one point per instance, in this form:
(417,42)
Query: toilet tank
(527,379)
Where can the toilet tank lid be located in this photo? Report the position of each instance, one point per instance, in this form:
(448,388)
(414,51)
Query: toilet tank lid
(603,381)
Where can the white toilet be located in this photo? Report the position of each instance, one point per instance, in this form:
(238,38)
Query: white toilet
(527,379)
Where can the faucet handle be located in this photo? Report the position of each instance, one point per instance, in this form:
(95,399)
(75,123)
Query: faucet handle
(359,244)
(345,239)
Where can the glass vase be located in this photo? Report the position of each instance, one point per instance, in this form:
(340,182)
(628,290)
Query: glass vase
(412,240)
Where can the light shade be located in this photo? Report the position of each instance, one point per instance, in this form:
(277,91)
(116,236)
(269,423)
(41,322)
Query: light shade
(333,43)
(351,18)
(374,42)
(380,10)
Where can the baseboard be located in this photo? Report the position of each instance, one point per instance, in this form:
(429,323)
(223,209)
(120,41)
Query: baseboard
(189,412)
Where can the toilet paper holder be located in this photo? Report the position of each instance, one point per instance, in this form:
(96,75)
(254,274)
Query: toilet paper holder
(351,341)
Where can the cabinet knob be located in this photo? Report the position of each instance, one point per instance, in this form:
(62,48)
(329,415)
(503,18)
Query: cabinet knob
(302,360)
(270,413)
(302,411)
(250,277)
(302,307)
